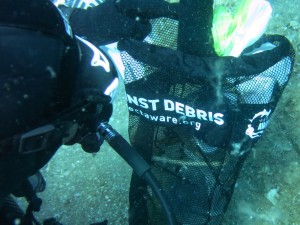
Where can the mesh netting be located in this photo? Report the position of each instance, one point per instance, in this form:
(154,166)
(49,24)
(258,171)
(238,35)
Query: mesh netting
(196,140)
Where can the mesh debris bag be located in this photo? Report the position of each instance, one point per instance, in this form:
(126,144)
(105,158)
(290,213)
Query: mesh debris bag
(195,119)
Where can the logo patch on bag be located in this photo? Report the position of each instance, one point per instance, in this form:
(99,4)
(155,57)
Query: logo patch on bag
(258,123)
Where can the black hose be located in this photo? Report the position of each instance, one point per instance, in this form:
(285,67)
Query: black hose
(160,195)
(139,166)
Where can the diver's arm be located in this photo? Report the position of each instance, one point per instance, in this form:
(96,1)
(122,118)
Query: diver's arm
(112,21)
(104,24)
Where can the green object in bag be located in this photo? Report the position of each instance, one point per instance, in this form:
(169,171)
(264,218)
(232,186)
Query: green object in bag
(233,33)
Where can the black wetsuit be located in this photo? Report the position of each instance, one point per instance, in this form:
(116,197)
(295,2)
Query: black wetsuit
(95,76)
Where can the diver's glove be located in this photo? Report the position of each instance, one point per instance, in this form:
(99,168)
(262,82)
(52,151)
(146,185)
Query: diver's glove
(114,20)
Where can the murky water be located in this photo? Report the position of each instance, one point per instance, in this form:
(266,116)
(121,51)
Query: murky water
(84,188)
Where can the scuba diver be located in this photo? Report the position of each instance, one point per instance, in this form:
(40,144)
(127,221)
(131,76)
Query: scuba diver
(193,115)
(56,88)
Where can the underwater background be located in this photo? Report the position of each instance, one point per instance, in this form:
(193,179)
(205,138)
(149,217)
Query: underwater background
(86,188)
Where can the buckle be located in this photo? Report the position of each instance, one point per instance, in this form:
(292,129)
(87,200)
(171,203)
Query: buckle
(35,140)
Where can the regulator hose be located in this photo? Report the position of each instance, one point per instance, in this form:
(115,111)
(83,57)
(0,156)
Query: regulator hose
(138,164)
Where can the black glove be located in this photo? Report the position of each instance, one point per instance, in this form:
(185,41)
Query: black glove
(106,24)
(114,20)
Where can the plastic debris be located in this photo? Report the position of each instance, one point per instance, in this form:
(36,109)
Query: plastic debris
(233,33)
